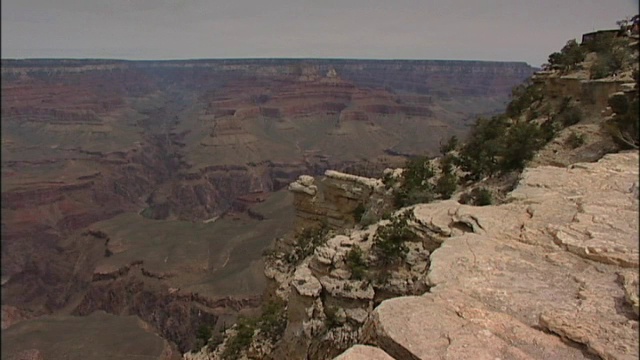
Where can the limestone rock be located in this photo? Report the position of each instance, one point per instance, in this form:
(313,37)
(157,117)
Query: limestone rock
(631,287)
(501,273)
(347,289)
(334,198)
(363,352)
(358,315)
(457,327)
(305,283)
(304,185)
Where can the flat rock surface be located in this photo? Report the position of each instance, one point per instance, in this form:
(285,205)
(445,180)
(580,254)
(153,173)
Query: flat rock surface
(363,352)
(548,275)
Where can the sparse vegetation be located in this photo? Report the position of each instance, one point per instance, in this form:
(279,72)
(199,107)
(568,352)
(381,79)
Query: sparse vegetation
(271,323)
(306,242)
(625,124)
(568,58)
(415,187)
(570,115)
(331,317)
(202,335)
(575,140)
(358,212)
(389,240)
(477,197)
(479,155)
(447,184)
(497,145)
(356,263)
(273,320)
(522,97)
(612,55)
(245,329)
(449,146)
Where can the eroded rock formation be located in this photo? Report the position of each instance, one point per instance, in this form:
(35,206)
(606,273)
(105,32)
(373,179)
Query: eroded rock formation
(552,259)
(128,148)
(550,273)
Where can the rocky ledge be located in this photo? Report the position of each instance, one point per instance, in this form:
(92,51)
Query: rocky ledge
(550,274)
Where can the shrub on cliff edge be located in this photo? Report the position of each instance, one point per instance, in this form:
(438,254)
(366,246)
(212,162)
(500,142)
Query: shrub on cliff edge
(389,240)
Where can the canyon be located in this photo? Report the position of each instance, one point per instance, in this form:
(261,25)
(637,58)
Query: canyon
(140,195)
(537,261)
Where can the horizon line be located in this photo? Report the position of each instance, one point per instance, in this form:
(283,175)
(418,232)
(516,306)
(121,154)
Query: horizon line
(251,58)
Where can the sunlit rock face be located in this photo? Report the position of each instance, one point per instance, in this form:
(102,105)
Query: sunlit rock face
(561,255)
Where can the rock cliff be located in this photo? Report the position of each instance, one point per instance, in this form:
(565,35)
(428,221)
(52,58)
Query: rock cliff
(530,278)
(551,271)
(163,155)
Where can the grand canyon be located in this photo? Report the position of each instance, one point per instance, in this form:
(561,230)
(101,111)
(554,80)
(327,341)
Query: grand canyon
(139,196)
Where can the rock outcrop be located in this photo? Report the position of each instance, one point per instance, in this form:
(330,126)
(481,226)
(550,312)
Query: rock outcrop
(549,274)
(335,198)
(554,267)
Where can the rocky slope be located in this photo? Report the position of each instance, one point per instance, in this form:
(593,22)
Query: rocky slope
(135,186)
(552,273)
(559,262)
(549,272)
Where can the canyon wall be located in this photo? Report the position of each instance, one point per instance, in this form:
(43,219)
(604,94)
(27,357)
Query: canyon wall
(148,151)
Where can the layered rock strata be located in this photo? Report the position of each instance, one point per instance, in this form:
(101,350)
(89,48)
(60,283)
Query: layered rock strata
(334,199)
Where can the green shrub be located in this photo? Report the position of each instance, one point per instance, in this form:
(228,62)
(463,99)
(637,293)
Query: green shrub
(215,340)
(203,334)
(272,323)
(600,68)
(496,145)
(521,142)
(477,197)
(522,97)
(417,172)
(306,242)
(619,103)
(449,146)
(356,263)
(575,140)
(446,185)
(569,57)
(147,213)
(483,197)
(448,162)
(389,181)
(331,317)
(358,212)
(246,327)
(415,186)
(570,115)
(273,320)
(624,127)
(406,197)
(479,155)
(389,240)
(612,57)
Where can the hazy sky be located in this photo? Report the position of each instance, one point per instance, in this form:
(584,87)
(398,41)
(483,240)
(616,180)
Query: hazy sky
(521,30)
